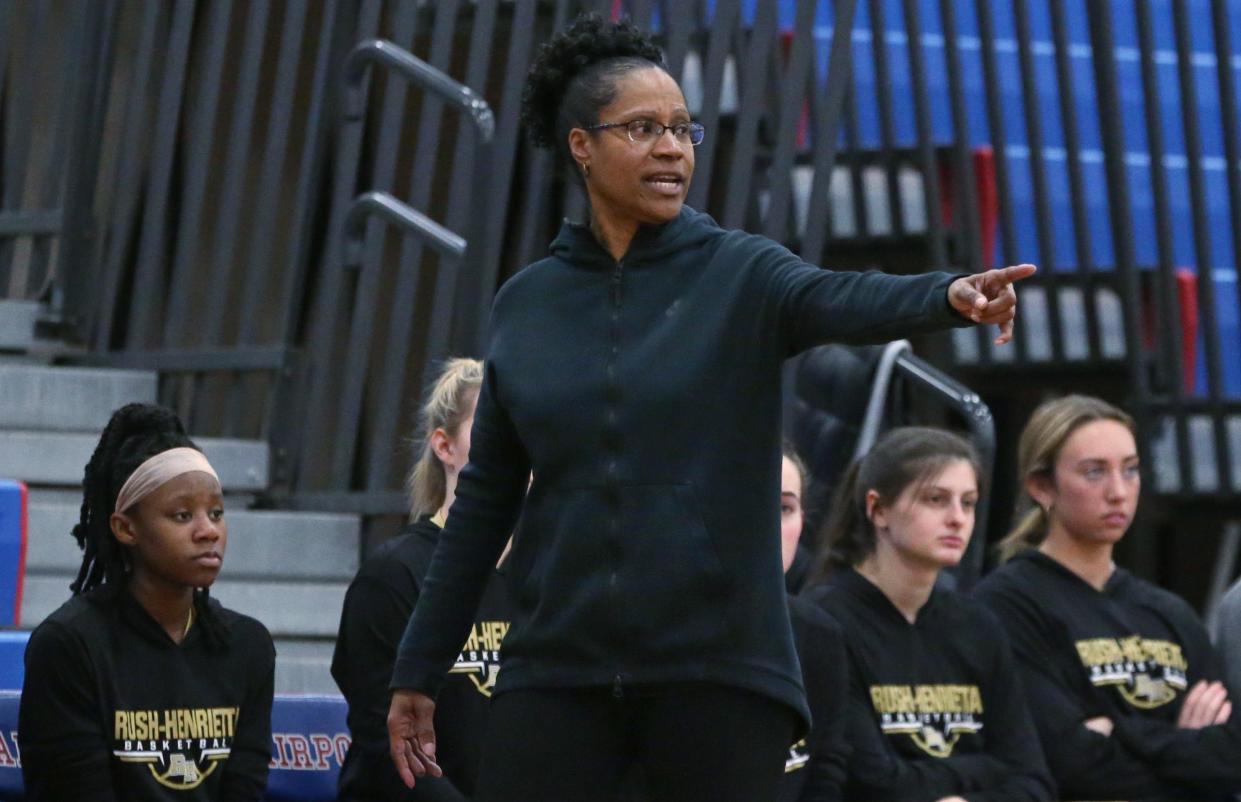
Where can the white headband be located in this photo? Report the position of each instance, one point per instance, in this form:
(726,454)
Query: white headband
(159,469)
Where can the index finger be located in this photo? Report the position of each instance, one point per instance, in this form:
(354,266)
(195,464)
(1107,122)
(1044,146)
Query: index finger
(1016,273)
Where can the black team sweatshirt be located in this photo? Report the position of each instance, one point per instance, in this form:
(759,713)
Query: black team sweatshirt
(113,710)
(935,707)
(1129,652)
(815,769)
(377,607)
(645,394)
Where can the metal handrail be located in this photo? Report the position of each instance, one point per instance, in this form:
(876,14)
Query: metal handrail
(873,418)
(418,72)
(977,416)
(382,204)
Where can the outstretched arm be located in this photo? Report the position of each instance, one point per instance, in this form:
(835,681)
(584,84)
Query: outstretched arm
(816,306)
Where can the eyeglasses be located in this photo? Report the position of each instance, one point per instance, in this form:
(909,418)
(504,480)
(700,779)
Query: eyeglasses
(645,132)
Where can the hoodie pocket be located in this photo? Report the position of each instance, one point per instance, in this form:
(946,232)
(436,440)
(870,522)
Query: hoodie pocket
(671,588)
(624,573)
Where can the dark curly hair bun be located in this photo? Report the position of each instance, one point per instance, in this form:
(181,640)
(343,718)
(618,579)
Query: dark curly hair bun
(574,75)
(134,433)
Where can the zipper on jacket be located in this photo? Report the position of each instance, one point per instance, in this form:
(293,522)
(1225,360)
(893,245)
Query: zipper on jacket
(612,440)
(616,287)
(618,690)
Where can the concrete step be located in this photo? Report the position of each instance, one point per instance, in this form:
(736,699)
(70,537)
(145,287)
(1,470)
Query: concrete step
(305,666)
(263,545)
(17,324)
(59,458)
(287,609)
(288,569)
(303,663)
(37,397)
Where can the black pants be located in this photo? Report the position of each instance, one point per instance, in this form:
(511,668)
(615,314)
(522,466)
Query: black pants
(687,741)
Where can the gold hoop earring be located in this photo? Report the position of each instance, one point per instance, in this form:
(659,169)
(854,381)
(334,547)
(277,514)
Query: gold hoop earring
(585,168)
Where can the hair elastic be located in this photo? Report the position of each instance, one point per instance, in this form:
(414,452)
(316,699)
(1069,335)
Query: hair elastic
(157,471)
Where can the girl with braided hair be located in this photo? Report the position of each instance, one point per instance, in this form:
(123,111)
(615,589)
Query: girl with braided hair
(142,687)
(636,371)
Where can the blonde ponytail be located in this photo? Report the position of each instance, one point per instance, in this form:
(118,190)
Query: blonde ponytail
(1027,533)
(450,398)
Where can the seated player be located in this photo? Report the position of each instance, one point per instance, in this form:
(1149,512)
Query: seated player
(1123,682)
(815,769)
(141,687)
(936,710)
(382,597)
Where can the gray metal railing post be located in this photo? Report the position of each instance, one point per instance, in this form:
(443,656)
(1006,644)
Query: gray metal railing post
(827,117)
(409,219)
(76,272)
(417,72)
(977,417)
(347,241)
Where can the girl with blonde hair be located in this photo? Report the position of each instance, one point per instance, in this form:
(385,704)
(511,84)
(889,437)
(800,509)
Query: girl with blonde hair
(1122,676)
(382,597)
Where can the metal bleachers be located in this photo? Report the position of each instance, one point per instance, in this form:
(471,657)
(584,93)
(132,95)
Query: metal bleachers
(1024,49)
(1097,141)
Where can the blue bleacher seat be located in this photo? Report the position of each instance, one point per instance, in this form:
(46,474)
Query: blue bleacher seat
(12,550)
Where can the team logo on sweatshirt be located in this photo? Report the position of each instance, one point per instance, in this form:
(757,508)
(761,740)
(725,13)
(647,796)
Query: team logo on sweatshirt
(799,756)
(933,717)
(1147,673)
(181,747)
(480,656)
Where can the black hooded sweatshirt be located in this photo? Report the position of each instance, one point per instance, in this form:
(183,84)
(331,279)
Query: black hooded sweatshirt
(377,607)
(815,768)
(1129,652)
(935,707)
(113,710)
(645,394)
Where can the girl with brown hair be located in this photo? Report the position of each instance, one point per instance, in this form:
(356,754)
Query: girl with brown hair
(936,712)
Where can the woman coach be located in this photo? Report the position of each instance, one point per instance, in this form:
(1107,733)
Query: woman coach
(636,371)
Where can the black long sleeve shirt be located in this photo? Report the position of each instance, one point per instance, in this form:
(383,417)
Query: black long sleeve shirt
(815,769)
(113,710)
(645,394)
(377,607)
(935,707)
(1129,652)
